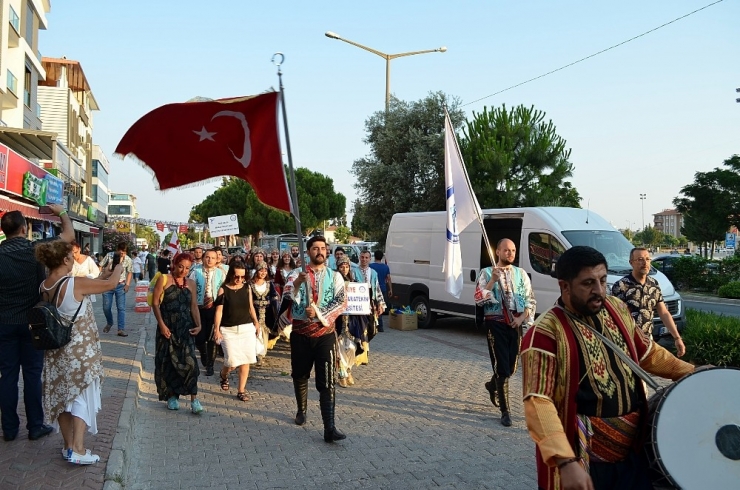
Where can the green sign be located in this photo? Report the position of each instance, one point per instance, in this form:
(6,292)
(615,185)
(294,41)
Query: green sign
(35,188)
(92,213)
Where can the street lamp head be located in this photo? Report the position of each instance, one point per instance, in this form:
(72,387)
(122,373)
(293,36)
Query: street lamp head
(332,35)
(442,49)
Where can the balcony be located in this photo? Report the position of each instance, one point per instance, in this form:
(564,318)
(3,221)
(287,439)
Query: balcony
(10,97)
(14,33)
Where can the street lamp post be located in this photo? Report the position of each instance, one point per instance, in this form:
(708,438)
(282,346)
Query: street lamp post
(642,202)
(387,58)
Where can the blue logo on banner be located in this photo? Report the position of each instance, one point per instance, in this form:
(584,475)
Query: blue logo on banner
(55,190)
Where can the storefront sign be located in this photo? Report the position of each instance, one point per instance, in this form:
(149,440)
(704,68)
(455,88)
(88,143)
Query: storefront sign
(35,188)
(54,189)
(76,208)
(123,227)
(91,213)
(3,166)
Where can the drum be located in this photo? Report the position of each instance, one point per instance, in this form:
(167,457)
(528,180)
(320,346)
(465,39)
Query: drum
(694,432)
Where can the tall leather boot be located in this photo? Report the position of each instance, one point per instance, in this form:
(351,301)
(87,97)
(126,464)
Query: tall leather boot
(491,387)
(502,386)
(203,355)
(301,397)
(210,356)
(326,402)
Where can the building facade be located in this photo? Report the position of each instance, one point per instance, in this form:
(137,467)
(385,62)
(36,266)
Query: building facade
(122,206)
(669,221)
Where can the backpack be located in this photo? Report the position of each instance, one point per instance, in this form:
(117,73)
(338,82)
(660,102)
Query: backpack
(152,285)
(48,329)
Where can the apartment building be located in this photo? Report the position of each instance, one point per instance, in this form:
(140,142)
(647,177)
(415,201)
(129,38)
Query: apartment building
(122,206)
(669,221)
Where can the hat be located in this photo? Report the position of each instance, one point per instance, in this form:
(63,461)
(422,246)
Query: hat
(342,260)
(260,266)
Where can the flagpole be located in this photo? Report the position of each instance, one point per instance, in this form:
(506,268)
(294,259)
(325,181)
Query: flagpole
(491,255)
(293,191)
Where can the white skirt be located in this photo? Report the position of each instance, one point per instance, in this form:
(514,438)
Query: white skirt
(239,345)
(86,407)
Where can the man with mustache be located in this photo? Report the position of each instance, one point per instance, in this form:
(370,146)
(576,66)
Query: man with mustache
(584,405)
(317,298)
(642,295)
(506,295)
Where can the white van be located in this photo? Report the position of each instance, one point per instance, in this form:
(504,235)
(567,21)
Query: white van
(415,250)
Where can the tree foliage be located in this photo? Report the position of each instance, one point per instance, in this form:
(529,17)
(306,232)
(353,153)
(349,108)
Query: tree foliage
(148,233)
(515,158)
(317,201)
(711,204)
(649,236)
(111,239)
(342,234)
(404,171)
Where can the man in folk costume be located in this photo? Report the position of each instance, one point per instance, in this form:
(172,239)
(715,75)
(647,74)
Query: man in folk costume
(506,295)
(208,279)
(585,408)
(317,298)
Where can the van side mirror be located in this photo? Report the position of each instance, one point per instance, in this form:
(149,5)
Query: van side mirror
(472,275)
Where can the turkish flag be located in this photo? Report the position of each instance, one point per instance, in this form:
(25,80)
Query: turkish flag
(194,141)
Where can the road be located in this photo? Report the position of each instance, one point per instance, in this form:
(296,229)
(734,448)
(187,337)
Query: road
(720,308)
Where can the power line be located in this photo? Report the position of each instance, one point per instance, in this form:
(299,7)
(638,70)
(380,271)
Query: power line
(595,54)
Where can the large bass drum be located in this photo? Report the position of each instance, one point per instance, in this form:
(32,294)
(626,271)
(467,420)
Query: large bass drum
(694,433)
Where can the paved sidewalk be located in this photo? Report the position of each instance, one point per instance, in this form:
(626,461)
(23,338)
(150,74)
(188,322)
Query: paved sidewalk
(38,464)
(418,417)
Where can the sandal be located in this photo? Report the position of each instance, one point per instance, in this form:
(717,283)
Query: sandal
(224,383)
(242,396)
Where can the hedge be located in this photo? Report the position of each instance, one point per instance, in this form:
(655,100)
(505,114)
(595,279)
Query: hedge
(712,339)
(729,290)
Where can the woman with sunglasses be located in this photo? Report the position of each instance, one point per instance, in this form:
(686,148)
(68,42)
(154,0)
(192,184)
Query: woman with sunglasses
(236,327)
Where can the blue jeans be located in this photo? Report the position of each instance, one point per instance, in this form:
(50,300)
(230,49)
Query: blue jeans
(16,351)
(120,306)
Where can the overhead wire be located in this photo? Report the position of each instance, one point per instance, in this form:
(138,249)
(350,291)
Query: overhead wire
(594,54)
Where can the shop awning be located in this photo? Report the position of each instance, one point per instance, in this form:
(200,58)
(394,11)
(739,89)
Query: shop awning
(29,211)
(79,226)
(94,231)
(29,142)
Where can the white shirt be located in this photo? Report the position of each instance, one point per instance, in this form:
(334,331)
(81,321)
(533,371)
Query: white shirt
(137,265)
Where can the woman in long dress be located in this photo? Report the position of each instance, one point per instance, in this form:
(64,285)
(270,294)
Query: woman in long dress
(265,301)
(72,374)
(175,307)
(352,326)
(235,328)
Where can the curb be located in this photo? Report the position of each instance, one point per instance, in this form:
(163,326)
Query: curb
(708,298)
(115,468)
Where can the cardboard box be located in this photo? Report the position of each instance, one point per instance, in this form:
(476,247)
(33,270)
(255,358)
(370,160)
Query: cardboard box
(403,322)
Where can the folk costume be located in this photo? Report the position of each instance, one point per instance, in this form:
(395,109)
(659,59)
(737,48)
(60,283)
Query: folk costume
(312,341)
(369,276)
(511,296)
(581,400)
(266,303)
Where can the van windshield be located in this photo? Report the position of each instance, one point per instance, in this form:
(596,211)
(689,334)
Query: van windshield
(615,247)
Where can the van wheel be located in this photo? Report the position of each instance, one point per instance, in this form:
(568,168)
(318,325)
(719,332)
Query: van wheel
(425,317)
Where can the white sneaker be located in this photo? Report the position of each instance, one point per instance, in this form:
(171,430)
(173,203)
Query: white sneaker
(88,458)
(67,452)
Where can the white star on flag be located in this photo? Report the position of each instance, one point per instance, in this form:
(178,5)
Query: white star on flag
(204,134)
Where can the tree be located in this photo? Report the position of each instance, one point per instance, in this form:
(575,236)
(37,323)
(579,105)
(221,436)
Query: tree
(342,234)
(711,204)
(148,233)
(404,171)
(111,239)
(515,158)
(317,201)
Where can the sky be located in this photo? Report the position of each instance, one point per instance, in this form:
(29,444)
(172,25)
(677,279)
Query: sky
(642,118)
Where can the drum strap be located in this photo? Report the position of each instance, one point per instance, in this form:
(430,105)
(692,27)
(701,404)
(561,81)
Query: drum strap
(641,373)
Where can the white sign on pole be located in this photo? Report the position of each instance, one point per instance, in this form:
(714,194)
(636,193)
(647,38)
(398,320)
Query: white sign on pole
(358,298)
(223,225)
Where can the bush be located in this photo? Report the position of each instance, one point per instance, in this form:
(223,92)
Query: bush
(729,290)
(712,339)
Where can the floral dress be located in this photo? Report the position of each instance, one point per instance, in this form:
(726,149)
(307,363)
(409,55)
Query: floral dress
(176,369)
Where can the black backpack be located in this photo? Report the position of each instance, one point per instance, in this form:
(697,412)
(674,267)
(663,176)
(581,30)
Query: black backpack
(48,329)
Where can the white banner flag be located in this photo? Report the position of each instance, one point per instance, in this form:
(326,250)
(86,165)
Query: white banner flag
(462,209)
(174,245)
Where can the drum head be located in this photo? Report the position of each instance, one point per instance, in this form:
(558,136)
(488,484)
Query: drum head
(697,430)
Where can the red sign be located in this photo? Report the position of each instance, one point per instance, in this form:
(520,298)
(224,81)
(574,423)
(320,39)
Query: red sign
(160,226)
(183,228)
(3,166)
(15,167)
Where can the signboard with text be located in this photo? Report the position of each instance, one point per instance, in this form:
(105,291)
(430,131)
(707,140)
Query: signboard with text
(23,178)
(223,225)
(730,240)
(358,298)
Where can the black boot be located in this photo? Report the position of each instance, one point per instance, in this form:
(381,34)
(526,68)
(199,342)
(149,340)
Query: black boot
(203,356)
(210,351)
(502,386)
(301,397)
(326,402)
(491,387)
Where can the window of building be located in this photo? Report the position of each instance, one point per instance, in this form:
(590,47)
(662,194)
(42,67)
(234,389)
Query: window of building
(119,197)
(27,87)
(94,168)
(12,83)
(29,24)
(544,250)
(95,192)
(119,209)
(15,21)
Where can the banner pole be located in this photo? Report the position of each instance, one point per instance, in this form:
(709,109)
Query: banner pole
(293,190)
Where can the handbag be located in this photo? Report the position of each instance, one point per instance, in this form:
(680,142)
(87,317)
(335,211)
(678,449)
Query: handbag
(48,329)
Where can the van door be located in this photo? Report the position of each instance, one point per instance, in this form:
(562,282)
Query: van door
(497,228)
(543,250)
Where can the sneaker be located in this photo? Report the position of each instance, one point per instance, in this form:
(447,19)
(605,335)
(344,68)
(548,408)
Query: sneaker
(196,407)
(173,403)
(87,458)
(67,453)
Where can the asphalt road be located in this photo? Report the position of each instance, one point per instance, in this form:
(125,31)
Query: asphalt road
(723,309)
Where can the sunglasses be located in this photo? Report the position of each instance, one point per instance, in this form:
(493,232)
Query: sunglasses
(240,277)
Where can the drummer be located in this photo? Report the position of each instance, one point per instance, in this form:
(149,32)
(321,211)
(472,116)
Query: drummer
(582,404)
